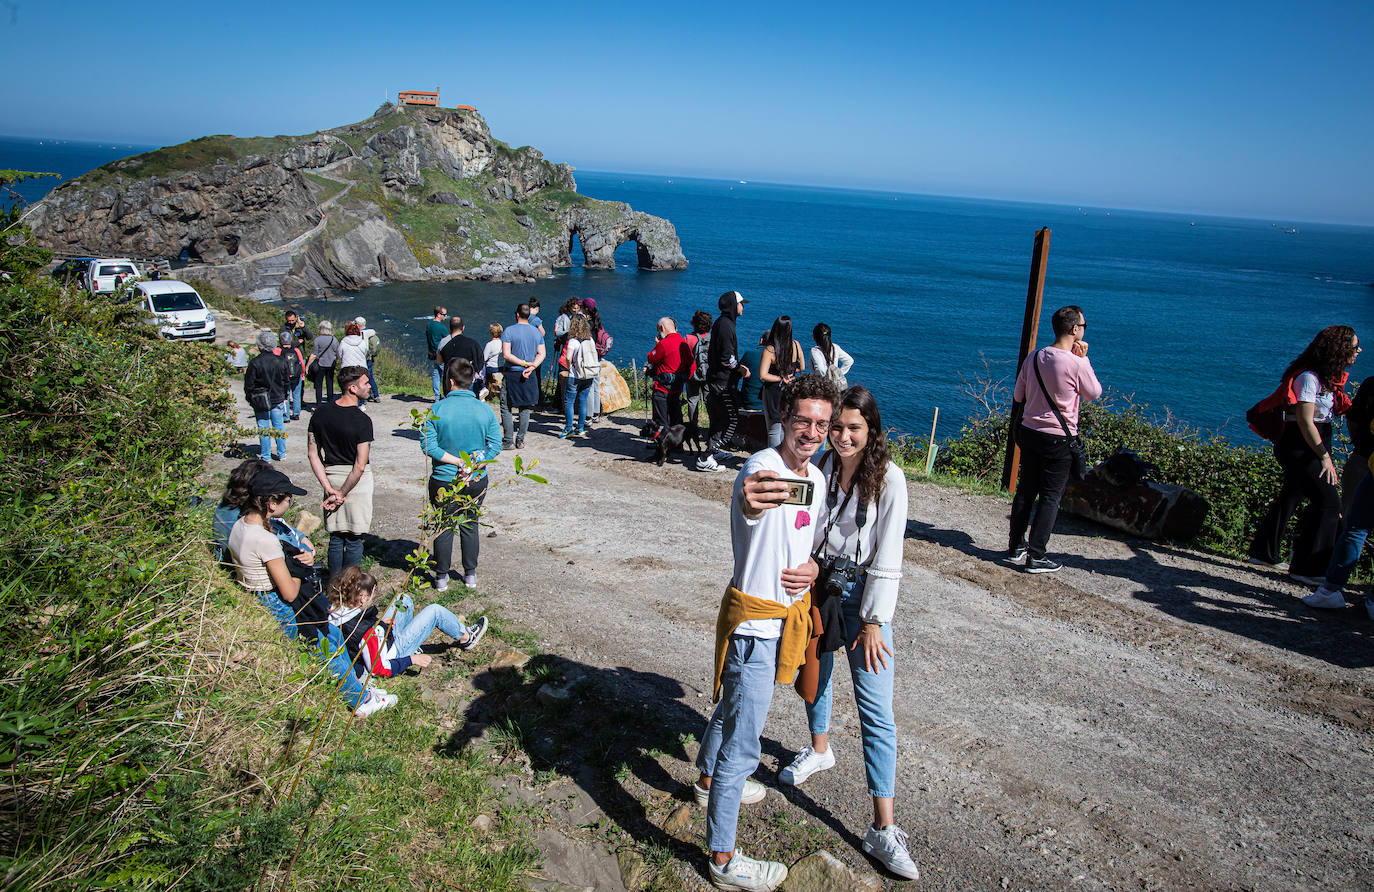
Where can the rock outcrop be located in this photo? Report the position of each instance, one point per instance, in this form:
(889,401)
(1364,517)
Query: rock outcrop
(409,194)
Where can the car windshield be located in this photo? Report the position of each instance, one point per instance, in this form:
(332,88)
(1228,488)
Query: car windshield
(117,270)
(177,300)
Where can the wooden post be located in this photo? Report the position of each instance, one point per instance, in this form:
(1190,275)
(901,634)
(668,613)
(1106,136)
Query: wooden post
(1030,324)
(930,446)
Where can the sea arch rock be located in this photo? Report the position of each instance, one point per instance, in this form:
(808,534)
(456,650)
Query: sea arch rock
(605,228)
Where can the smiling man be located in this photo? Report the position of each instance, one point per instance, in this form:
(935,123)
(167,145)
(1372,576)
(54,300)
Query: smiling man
(764,622)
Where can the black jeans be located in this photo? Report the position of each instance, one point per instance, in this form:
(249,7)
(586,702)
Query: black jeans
(1045,463)
(1320,523)
(326,378)
(724,410)
(469,534)
(667,408)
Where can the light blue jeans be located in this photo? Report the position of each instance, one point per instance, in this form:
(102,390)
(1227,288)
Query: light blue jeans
(328,647)
(281,612)
(730,746)
(274,418)
(295,399)
(576,392)
(1351,542)
(413,628)
(436,377)
(872,695)
(372,378)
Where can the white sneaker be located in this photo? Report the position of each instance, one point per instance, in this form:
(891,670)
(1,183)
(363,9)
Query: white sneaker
(748,875)
(707,463)
(1325,599)
(441,583)
(470,580)
(888,847)
(753,792)
(807,763)
(1281,566)
(375,703)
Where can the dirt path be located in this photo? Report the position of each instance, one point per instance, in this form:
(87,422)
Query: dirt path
(1148,718)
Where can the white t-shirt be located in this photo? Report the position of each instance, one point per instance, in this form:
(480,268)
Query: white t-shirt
(1308,388)
(491,353)
(779,539)
(879,543)
(352,351)
(250,548)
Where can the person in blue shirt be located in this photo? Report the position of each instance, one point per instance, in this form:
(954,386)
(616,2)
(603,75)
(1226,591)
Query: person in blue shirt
(462,423)
(522,351)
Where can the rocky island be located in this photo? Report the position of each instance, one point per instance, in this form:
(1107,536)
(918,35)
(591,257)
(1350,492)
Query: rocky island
(409,194)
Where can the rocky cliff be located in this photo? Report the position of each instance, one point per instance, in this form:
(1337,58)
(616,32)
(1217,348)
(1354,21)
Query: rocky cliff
(408,194)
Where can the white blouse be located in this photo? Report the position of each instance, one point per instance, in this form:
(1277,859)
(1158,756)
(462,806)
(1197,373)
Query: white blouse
(843,361)
(879,542)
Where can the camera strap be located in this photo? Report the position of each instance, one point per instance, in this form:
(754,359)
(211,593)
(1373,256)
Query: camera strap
(832,495)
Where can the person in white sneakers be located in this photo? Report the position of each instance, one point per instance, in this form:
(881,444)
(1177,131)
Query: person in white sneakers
(859,538)
(764,623)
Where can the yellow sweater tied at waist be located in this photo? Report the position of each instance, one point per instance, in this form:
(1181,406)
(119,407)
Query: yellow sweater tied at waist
(737,607)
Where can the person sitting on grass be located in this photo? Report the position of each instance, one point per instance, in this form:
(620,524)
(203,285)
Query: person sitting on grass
(387,645)
(261,566)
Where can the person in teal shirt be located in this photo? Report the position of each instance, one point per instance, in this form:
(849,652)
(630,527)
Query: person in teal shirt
(462,423)
(435,331)
(750,395)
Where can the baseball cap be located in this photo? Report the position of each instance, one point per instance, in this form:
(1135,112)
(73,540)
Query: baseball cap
(271,482)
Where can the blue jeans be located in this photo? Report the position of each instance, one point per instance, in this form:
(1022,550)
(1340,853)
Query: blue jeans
(274,418)
(329,649)
(295,398)
(730,747)
(1351,541)
(872,694)
(345,550)
(576,391)
(372,378)
(436,377)
(413,628)
(281,612)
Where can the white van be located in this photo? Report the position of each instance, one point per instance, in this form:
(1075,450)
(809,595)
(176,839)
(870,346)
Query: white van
(176,309)
(103,275)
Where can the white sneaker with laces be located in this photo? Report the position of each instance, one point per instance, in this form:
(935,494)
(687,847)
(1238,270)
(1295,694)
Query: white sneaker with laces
(441,583)
(707,463)
(753,792)
(1325,599)
(888,847)
(807,763)
(748,875)
(470,580)
(375,703)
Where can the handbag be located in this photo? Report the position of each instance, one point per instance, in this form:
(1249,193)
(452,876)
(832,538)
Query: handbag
(1078,452)
(259,398)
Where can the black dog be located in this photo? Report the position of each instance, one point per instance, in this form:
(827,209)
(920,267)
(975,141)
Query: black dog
(675,437)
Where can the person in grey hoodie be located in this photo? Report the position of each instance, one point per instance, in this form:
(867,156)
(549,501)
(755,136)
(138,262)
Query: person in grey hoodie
(723,370)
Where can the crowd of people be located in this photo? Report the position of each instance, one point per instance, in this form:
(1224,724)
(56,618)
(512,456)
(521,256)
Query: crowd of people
(817,518)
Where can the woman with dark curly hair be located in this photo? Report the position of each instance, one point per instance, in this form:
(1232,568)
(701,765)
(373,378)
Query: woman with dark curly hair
(1311,392)
(863,521)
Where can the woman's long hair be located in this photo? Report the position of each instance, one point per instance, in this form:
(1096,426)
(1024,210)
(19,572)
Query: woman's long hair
(351,586)
(873,464)
(236,492)
(1329,354)
(821,335)
(780,339)
(570,306)
(594,320)
(580,329)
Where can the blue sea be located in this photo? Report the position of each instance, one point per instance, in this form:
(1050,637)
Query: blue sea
(1195,317)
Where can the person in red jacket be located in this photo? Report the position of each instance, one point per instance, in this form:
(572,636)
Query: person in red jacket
(669,365)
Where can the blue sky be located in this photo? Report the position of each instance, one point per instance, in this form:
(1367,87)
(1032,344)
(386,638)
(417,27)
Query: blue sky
(1251,109)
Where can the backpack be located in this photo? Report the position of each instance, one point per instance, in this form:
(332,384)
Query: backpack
(835,376)
(293,363)
(603,342)
(700,355)
(374,347)
(586,362)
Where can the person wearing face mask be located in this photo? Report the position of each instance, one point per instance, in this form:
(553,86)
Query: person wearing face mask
(859,537)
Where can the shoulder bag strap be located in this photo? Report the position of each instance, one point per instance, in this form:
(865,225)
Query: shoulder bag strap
(1035,364)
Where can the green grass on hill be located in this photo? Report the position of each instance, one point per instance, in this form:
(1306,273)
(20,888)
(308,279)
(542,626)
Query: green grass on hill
(193,155)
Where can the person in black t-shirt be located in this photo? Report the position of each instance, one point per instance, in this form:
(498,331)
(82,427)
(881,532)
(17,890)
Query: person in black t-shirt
(340,444)
(460,346)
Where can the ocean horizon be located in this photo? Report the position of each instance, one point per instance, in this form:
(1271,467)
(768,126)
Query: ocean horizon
(1192,316)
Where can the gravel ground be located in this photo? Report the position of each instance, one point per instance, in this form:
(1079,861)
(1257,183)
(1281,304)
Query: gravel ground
(1150,717)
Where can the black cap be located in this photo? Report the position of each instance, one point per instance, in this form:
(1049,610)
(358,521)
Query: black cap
(271,482)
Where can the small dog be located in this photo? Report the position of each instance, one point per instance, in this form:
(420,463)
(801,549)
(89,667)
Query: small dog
(674,438)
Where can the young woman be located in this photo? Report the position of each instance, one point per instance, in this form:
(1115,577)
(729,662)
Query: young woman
(324,355)
(1312,392)
(259,560)
(603,340)
(579,347)
(864,521)
(387,646)
(353,349)
(827,358)
(782,361)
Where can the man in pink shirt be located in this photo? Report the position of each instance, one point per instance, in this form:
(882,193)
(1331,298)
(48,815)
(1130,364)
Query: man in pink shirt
(1045,458)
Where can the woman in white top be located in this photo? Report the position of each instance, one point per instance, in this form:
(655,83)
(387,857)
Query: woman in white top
(1312,392)
(827,358)
(863,523)
(352,349)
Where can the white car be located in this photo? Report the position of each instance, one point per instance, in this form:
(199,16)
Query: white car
(104,274)
(179,313)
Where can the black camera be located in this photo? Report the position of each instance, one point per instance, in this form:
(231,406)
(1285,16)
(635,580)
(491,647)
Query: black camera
(837,574)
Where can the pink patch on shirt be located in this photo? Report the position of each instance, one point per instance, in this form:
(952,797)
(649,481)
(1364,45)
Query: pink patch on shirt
(803,519)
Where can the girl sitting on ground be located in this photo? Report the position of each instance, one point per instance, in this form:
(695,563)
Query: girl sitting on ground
(387,646)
